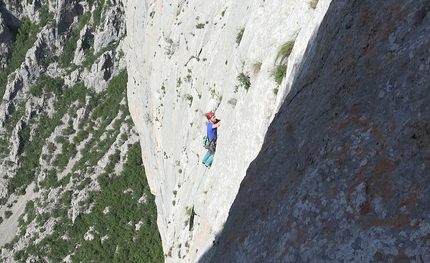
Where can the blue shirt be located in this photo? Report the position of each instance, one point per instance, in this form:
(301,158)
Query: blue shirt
(212,135)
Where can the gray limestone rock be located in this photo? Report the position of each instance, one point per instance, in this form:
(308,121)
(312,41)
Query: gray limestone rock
(343,174)
(22,111)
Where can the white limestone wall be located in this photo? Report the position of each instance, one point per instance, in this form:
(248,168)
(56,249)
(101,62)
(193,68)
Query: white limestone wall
(164,45)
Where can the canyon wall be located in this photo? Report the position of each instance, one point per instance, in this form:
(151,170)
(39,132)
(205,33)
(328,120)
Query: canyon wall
(186,58)
(64,128)
(339,175)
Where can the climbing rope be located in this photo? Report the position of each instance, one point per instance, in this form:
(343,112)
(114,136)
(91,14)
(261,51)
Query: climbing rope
(198,186)
(193,213)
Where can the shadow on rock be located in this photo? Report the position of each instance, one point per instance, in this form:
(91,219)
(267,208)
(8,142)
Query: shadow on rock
(343,173)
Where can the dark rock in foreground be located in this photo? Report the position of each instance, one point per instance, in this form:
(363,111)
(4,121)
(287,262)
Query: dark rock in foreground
(344,173)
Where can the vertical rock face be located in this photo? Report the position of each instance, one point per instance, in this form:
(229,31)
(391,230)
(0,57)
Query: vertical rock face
(343,173)
(186,58)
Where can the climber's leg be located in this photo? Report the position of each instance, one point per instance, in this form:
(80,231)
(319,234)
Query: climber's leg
(209,160)
(206,157)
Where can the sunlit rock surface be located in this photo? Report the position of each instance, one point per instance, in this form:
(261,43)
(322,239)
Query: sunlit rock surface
(183,60)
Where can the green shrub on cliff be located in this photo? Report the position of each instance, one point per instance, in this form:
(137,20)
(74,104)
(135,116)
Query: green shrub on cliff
(284,51)
(69,48)
(115,235)
(279,73)
(280,61)
(239,35)
(244,80)
(313,4)
(24,40)
(128,231)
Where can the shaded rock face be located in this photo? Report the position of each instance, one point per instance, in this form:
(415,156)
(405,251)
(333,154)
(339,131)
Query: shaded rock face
(9,19)
(343,173)
(9,25)
(68,10)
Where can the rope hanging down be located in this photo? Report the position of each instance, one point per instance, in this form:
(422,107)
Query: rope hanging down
(194,195)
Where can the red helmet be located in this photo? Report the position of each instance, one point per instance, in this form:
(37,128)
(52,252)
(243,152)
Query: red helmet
(209,115)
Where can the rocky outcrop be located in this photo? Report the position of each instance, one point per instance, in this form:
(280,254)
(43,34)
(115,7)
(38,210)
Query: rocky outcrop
(343,173)
(33,90)
(8,24)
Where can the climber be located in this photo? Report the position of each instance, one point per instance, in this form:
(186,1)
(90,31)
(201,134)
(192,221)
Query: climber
(213,124)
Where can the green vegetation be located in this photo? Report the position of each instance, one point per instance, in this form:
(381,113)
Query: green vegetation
(189,98)
(200,26)
(279,73)
(91,57)
(24,40)
(74,127)
(105,106)
(8,213)
(116,238)
(223,12)
(188,210)
(83,19)
(69,48)
(280,61)
(97,14)
(115,235)
(148,119)
(313,4)
(239,36)
(284,51)
(188,78)
(46,125)
(232,102)
(32,148)
(170,47)
(46,17)
(47,85)
(152,14)
(244,80)
(169,254)
(192,57)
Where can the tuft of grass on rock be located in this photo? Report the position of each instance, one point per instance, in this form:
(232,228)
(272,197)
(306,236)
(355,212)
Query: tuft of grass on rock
(280,61)
(256,67)
(313,4)
(232,102)
(279,73)
(244,80)
(285,51)
(239,36)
